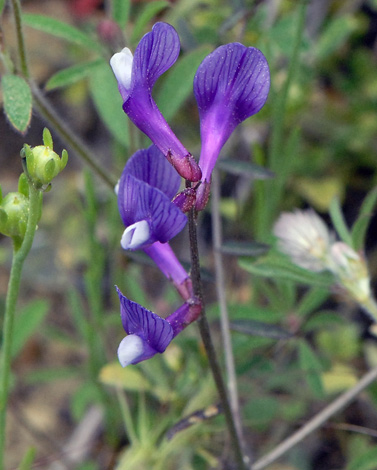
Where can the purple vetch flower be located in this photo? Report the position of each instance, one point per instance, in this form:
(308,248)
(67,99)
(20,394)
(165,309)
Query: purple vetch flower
(167,262)
(145,190)
(230,85)
(147,333)
(136,75)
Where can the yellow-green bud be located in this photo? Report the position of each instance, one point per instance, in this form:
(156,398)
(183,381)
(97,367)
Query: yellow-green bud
(42,163)
(14,211)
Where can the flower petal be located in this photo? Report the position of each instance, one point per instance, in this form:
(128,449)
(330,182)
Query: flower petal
(235,79)
(230,85)
(138,201)
(139,321)
(156,52)
(150,165)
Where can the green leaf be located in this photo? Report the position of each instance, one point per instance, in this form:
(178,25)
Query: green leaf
(240,168)
(321,320)
(257,328)
(178,83)
(367,461)
(61,30)
(338,221)
(127,378)
(312,300)
(310,364)
(335,35)
(360,226)
(277,267)
(17,101)
(28,459)
(237,248)
(72,74)
(108,102)
(27,322)
(149,11)
(121,12)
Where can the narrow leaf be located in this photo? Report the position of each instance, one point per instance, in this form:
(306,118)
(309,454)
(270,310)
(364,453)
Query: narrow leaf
(178,83)
(338,221)
(279,268)
(27,322)
(310,364)
(239,168)
(257,328)
(17,101)
(72,74)
(107,99)
(149,11)
(360,227)
(61,30)
(237,248)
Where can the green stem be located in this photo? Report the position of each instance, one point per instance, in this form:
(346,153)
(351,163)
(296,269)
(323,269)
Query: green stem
(19,256)
(17,12)
(207,342)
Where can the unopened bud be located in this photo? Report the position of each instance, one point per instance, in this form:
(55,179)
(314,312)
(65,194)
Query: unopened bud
(14,211)
(42,163)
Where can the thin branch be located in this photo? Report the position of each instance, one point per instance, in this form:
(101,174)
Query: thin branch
(207,341)
(318,420)
(224,317)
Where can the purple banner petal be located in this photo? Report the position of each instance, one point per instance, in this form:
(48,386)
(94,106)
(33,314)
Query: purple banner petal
(156,52)
(150,165)
(235,79)
(154,330)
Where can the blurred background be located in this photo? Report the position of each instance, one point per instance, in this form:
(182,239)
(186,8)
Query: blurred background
(317,134)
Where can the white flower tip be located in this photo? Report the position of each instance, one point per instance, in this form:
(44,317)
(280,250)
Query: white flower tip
(135,235)
(121,63)
(130,349)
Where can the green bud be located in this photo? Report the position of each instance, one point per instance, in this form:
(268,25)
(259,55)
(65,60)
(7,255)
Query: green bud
(14,211)
(42,163)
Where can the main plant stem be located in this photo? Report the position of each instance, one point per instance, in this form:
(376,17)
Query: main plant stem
(19,256)
(207,341)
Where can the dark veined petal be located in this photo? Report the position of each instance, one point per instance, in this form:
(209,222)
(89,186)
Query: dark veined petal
(150,165)
(137,320)
(234,78)
(156,52)
(138,201)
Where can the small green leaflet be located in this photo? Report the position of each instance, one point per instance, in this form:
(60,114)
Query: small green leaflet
(17,101)
(71,75)
(61,30)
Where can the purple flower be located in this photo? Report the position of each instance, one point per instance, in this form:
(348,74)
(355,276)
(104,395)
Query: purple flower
(156,52)
(145,190)
(230,85)
(147,333)
(167,262)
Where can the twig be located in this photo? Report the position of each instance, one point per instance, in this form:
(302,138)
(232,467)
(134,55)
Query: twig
(224,317)
(207,341)
(318,420)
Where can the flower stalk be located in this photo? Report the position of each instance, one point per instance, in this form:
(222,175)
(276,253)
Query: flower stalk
(19,255)
(207,340)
